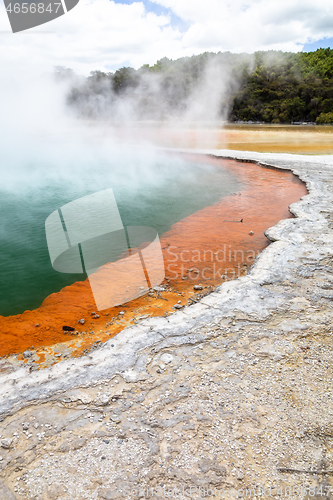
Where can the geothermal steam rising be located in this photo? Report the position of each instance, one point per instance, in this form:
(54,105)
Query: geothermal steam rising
(42,143)
(36,122)
(180,91)
(208,101)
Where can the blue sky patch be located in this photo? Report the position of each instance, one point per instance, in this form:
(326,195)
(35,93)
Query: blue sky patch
(321,44)
(159,10)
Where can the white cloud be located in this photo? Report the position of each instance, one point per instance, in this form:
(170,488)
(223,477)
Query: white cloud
(94,35)
(103,34)
(241,25)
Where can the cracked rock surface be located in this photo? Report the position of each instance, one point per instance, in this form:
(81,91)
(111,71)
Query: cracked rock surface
(229,395)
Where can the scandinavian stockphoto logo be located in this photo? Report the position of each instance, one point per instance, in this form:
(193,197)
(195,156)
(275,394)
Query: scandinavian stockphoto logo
(87,236)
(24,15)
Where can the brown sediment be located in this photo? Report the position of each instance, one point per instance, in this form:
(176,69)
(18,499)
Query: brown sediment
(216,243)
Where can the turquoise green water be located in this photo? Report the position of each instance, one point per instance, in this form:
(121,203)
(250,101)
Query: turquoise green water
(151,191)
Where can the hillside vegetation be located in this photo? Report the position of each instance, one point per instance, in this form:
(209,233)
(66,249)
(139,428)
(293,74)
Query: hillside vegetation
(268,87)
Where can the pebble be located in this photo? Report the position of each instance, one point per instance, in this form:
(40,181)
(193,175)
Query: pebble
(166,358)
(251,233)
(115,419)
(198,287)
(27,354)
(6,443)
(82,321)
(104,400)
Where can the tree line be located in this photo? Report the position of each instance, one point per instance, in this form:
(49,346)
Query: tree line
(266,87)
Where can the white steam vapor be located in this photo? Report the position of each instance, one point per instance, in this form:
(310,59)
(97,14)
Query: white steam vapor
(209,101)
(172,95)
(43,146)
(42,139)
(41,142)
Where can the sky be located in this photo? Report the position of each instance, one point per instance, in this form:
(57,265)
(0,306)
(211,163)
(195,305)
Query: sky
(109,34)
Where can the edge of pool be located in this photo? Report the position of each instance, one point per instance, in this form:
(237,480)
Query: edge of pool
(308,237)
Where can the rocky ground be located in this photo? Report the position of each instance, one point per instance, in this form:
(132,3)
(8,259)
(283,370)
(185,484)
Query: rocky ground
(229,398)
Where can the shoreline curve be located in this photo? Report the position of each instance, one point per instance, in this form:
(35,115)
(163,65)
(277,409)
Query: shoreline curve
(127,353)
(234,391)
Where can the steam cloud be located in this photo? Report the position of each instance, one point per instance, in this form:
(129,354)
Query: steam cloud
(197,89)
(49,129)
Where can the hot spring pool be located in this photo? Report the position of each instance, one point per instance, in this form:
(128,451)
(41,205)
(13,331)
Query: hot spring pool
(150,190)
